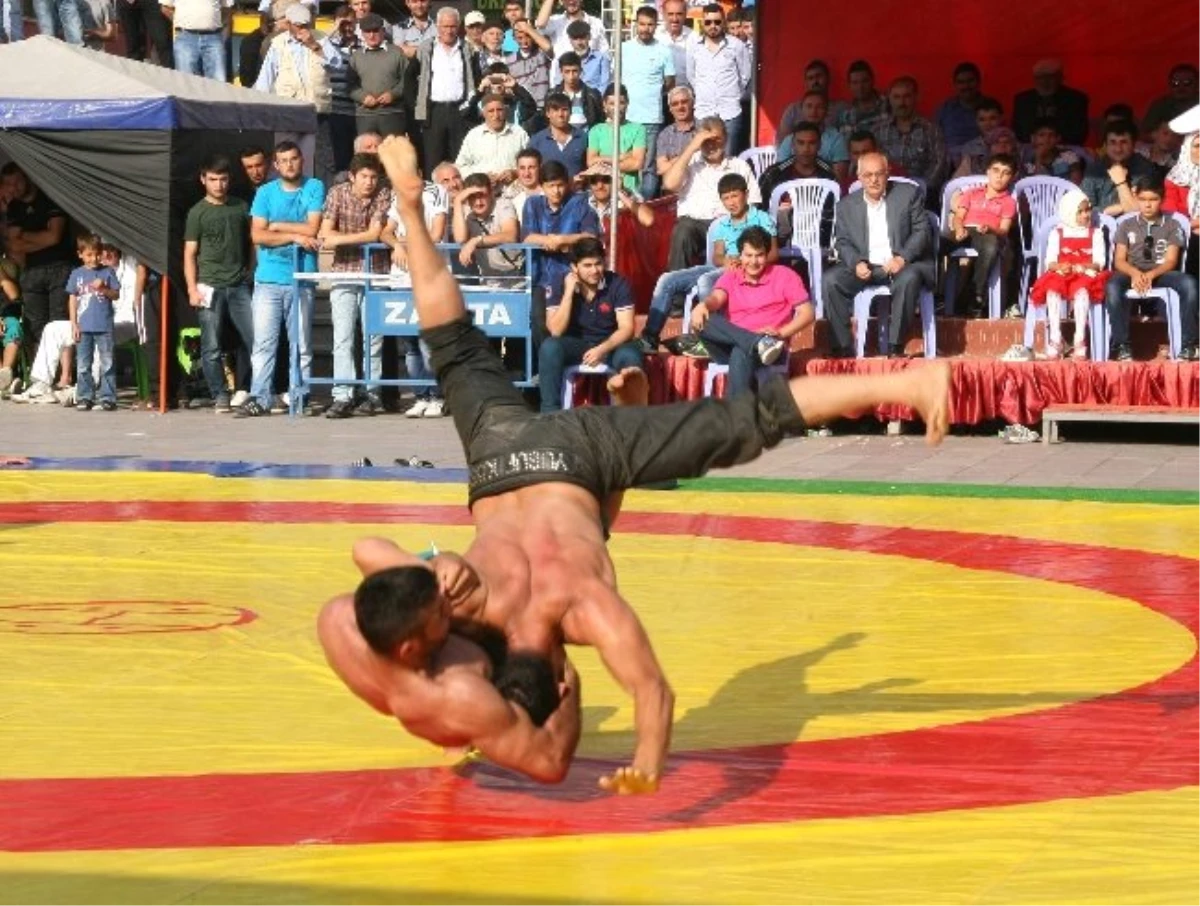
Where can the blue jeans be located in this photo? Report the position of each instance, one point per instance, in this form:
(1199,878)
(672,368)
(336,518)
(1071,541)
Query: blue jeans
(1118,306)
(90,345)
(347,304)
(273,304)
(202,55)
(416,363)
(650,180)
(673,283)
(12,21)
(733,346)
(232,302)
(558,353)
(53,13)
(735,135)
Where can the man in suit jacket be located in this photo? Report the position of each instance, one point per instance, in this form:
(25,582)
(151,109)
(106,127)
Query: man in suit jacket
(883,239)
(448,79)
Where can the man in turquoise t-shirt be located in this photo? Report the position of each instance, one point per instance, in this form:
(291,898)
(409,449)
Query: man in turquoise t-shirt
(632,140)
(723,238)
(648,71)
(285,218)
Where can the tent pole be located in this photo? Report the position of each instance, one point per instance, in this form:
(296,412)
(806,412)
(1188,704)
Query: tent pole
(163,332)
(615,200)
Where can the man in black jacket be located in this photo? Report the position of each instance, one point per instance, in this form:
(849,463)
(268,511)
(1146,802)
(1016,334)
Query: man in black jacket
(1051,99)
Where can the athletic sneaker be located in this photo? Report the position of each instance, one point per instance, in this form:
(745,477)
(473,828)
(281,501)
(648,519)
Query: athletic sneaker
(252,408)
(108,405)
(435,408)
(280,404)
(369,405)
(340,409)
(1017,353)
(65,396)
(648,345)
(37,392)
(417,409)
(769,349)
(83,406)
(222,404)
(239,399)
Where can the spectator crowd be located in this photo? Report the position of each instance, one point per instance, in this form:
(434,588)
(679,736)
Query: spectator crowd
(524,138)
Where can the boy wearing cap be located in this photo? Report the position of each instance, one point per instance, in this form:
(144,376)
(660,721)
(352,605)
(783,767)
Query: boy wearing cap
(378,80)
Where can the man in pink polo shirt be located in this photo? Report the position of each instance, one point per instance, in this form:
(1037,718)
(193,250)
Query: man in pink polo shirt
(980,218)
(759,307)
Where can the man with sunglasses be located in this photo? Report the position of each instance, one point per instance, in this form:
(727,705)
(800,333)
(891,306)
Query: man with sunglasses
(719,72)
(1181,95)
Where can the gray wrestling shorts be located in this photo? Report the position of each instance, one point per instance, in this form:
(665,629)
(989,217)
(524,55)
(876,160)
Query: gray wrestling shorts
(601,448)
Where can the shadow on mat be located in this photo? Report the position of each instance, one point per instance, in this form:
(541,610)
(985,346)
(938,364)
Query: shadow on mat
(63,887)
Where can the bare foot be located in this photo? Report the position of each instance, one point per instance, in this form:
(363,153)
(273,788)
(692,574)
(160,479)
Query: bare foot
(931,398)
(399,159)
(630,388)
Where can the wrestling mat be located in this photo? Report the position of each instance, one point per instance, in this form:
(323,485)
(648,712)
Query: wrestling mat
(922,694)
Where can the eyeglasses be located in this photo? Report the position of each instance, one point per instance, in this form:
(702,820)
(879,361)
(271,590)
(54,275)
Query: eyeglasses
(1182,83)
(714,21)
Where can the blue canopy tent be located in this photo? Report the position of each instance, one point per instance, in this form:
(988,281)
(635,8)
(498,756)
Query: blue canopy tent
(118,143)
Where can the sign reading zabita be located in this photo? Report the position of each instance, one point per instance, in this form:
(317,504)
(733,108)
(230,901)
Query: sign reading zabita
(395,314)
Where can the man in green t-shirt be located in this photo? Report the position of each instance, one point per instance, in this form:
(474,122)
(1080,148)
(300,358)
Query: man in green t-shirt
(216,256)
(632,145)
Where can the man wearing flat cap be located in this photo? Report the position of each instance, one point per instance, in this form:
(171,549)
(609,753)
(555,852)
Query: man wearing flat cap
(379,78)
(1049,98)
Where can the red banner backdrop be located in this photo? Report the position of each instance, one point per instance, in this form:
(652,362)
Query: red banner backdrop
(1114,50)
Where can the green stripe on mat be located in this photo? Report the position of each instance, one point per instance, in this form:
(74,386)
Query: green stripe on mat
(888,489)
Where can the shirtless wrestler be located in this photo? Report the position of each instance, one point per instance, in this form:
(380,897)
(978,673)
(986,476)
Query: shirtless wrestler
(538,568)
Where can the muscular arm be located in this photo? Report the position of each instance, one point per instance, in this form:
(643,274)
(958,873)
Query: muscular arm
(27,242)
(601,618)
(469,707)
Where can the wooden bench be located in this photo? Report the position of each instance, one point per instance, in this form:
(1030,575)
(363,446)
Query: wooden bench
(1085,412)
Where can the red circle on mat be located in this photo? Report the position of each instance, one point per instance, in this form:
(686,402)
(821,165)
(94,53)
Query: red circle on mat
(123,617)
(1139,739)
(118,618)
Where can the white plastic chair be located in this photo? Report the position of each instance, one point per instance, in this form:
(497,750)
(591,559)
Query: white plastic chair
(760,158)
(951,285)
(1041,195)
(714,369)
(808,198)
(568,393)
(1097,314)
(1168,299)
(865,300)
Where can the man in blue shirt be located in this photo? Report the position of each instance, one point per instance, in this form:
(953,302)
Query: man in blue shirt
(596,64)
(589,317)
(723,238)
(560,141)
(648,73)
(284,219)
(554,221)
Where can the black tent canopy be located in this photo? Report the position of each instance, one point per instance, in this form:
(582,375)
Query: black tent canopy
(118,143)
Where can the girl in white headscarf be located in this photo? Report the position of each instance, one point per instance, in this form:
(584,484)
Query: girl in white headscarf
(1075,259)
(1183,182)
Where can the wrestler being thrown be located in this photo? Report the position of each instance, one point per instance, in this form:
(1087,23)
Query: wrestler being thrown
(468,650)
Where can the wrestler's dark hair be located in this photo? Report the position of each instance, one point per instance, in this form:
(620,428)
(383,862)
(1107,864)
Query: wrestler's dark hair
(554,171)
(587,247)
(756,238)
(389,605)
(527,679)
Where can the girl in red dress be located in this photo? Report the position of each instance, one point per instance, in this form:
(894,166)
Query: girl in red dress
(1075,257)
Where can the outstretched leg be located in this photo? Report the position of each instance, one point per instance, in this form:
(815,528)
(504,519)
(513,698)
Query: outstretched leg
(435,290)
(925,388)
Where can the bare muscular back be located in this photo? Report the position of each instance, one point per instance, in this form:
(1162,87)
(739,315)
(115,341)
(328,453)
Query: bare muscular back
(536,548)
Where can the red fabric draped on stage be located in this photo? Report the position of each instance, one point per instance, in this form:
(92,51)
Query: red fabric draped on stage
(984,389)
(1114,50)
